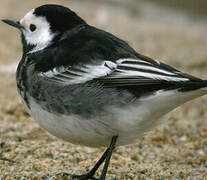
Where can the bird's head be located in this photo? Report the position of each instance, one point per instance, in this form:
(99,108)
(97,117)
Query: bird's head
(41,26)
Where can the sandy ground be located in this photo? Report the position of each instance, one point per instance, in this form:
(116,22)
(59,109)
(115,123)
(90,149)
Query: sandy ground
(175,150)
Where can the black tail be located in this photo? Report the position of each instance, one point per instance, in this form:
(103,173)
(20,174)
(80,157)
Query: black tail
(192,85)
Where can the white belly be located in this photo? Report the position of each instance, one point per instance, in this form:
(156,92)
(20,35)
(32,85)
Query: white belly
(128,124)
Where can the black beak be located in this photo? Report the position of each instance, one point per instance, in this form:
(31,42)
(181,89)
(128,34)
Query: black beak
(13,23)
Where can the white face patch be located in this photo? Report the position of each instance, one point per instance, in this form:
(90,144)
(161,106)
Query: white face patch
(41,36)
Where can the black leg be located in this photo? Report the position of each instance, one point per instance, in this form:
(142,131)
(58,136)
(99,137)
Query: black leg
(91,173)
(100,161)
(106,155)
(110,150)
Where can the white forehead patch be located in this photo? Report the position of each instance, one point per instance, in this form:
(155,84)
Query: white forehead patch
(42,36)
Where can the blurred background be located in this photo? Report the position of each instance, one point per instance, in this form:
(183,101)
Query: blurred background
(172,31)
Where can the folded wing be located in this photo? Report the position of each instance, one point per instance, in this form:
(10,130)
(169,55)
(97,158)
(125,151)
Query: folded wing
(123,72)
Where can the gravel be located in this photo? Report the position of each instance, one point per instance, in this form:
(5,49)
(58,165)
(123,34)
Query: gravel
(175,150)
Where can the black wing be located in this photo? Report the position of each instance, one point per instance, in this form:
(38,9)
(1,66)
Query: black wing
(136,73)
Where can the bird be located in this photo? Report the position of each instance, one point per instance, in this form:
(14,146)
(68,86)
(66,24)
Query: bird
(89,87)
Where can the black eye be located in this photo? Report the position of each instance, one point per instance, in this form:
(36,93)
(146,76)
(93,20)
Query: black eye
(32,27)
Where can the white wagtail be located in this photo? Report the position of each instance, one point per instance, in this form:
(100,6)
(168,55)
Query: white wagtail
(88,87)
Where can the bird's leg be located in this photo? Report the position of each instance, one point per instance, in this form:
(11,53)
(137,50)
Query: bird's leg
(106,155)
(91,173)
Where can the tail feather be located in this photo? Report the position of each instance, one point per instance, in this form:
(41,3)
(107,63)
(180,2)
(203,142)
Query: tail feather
(193,85)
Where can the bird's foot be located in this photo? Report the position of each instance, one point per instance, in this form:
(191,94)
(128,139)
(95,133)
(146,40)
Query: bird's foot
(86,176)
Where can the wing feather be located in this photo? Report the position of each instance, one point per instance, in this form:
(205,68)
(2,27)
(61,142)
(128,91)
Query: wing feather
(139,72)
(79,74)
(123,72)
